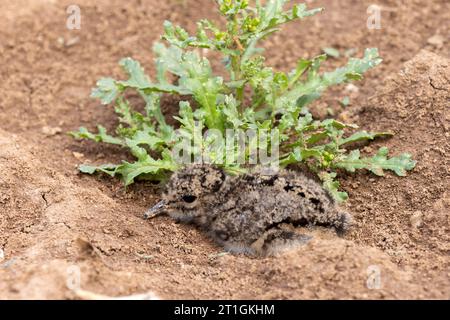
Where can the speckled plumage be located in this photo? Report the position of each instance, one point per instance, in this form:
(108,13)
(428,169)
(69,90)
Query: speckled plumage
(253,213)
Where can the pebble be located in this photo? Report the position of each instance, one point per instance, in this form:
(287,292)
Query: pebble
(78,155)
(72,41)
(351,88)
(2,255)
(416,219)
(436,40)
(368,149)
(51,131)
(62,42)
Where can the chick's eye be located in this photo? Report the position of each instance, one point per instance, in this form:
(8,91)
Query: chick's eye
(189,198)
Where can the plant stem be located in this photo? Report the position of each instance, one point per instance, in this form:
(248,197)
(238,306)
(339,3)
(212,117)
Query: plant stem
(236,60)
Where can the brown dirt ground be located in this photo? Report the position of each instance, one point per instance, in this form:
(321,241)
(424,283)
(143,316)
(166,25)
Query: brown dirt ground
(52,218)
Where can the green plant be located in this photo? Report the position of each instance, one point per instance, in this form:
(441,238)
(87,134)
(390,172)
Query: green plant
(253,96)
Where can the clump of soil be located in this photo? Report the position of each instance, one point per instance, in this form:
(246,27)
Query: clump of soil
(56,224)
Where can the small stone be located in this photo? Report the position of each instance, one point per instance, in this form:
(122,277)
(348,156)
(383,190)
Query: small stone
(368,149)
(344,116)
(355,185)
(60,41)
(416,219)
(351,88)
(436,40)
(2,255)
(78,155)
(51,131)
(72,41)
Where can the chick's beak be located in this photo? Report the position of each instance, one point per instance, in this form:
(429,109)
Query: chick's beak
(156,210)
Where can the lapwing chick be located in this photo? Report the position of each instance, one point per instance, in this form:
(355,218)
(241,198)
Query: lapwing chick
(253,213)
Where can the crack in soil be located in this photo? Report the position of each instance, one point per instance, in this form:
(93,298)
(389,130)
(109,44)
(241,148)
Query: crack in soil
(435,87)
(43,195)
(64,223)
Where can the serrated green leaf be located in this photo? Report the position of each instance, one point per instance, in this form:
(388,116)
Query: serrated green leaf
(316,83)
(230,109)
(106,90)
(145,137)
(310,90)
(377,163)
(316,137)
(109,169)
(300,155)
(332,52)
(179,37)
(332,186)
(101,136)
(138,78)
(272,15)
(337,124)
(148,166)
(354,68)
(364,135)
(302,66)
